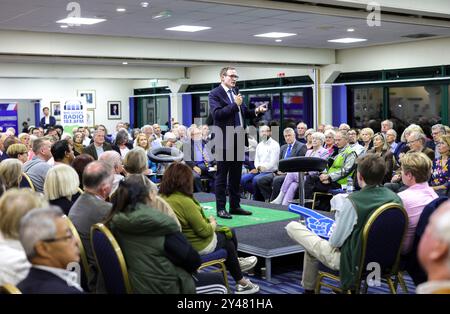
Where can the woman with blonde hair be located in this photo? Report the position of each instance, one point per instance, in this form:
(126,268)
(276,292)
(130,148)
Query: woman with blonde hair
(11,172)
(61,187)
(329,141)
(308,137)
(440,175)
(381,148)
(142,141)
(366,136)
(14,204)
(18,151)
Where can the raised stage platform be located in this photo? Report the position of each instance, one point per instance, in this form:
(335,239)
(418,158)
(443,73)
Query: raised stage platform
(261,234)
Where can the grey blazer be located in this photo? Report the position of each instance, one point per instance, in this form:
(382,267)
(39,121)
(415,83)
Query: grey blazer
(299,149)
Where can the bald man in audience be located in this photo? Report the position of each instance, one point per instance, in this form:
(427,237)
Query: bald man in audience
(434,252)
(91,208)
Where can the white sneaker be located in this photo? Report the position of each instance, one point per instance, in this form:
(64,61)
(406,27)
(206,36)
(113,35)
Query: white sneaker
(247,263)
(249,288)
(279,198)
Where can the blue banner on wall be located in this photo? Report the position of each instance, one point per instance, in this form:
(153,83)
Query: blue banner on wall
(8,116)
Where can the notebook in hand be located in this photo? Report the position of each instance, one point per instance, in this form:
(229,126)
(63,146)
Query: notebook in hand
(314,221)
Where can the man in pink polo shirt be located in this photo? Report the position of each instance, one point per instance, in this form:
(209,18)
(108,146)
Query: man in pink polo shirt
(416,170)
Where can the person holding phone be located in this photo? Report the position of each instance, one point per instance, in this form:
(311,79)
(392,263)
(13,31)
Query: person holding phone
(228,110)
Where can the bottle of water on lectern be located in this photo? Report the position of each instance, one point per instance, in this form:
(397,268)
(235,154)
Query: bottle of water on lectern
(350,186)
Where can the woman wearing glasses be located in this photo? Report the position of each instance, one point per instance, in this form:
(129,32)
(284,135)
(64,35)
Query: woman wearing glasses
(440,176)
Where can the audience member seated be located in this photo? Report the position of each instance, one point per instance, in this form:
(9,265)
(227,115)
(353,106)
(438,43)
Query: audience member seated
(61,187)
(78,143)
(18,151)
(200,161)
(38,167)
(342,166)
(402,146)
(11,172)
(391,136)
(301,130)
(434,252)
(290,184)
(79,163)
(266,162)
(122,145)
(353,135)
(308,138)
(329,141)
(142,141)
(271,182)
(437,131)
(99,146)
(366,136)
(14,204)
(136,162)
(50,247)
(416,170)
(114,159)
(177,189)
(91,208)
(440,176)
(381,148)
(343,250)
(62,152)
(159,258)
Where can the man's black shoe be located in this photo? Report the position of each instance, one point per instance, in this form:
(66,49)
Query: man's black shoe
(223,214)
(240,211)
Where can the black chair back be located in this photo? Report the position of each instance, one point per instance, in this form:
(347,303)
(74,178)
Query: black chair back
(383,237)
(110,260)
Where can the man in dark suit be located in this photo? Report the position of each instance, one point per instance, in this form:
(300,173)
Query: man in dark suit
(91,208)
(47,120)
(274,181)
(98,146)
(50,251)
(228,110)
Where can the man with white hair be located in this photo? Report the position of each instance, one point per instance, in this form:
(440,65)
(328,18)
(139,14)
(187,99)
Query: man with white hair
(50,247)
(434,252)
(391,136)
(386,125)
(437,131)
(301,130)
(114,159)
(37,167)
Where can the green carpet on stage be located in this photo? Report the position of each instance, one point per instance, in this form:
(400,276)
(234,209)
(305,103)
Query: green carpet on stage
(260,215)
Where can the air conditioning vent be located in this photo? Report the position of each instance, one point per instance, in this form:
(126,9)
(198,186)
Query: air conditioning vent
(417,36)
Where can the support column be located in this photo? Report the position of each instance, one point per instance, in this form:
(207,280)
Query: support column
(176,100)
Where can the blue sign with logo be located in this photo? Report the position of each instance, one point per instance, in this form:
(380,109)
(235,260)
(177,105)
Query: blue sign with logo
(8,116)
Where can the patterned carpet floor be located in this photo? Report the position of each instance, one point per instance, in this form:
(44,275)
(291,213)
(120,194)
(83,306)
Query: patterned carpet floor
(287,274)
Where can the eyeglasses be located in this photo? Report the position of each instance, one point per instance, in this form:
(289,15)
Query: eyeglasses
(233,76)
(441,143)
(65,238)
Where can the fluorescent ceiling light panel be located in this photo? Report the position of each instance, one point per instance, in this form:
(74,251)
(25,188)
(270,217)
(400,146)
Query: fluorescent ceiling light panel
(187,28)
(347,40)
(80,21)
(275,35)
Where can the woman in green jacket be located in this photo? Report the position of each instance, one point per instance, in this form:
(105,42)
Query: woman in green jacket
(177,189)
(158,257)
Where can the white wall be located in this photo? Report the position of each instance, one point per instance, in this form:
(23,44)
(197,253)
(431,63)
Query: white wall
(422,53)
(54,89)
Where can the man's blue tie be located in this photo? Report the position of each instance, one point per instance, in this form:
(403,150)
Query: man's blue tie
(230,95)
(288,152)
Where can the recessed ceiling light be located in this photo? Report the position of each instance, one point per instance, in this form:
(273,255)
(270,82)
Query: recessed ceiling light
(64,26)
(124,63)
(162,15)
(347,40)
(121,10)
(188,28)
(278,40)
(144,4)
(80,21)
(350,29)
(275,35)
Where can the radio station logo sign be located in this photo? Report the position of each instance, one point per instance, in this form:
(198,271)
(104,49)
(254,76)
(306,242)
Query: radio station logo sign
(74,112)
